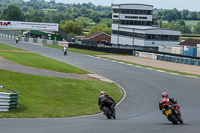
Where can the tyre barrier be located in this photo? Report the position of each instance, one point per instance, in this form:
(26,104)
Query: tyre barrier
(8,101)
(169,58)
(181,60)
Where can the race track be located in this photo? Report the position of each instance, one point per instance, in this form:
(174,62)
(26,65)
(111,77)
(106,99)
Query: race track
(137,113)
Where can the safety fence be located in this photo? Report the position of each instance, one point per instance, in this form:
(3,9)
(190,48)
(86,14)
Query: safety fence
(176,59)
(34,40)
(8,101)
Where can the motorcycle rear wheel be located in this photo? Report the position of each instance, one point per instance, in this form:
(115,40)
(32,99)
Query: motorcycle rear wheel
(173,119)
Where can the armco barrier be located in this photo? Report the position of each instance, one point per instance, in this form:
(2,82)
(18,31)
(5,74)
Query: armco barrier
(8,100)
(35,40)
(159,57)
(181,60)
(195,62)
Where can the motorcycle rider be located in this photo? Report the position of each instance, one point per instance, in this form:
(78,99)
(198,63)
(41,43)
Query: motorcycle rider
(106,100)
(166,98)
(17,39)
(64,49)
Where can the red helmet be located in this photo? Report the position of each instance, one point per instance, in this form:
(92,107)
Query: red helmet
(102,92)
(164,94)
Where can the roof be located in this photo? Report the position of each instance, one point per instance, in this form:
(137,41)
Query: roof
(190,42)
(138,27)
(94,35)
(131,4)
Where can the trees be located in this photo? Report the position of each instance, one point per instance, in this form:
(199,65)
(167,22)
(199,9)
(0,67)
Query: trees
(85,20)
(95,17)
(197,28)
(185,14)
(102,28)
(193,16)
(71,27)
(12,13)
(180,25)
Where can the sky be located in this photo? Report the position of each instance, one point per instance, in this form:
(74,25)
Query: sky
(191,5)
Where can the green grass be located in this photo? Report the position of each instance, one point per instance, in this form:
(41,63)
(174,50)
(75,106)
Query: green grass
(37,61)
(191,22)
(185,38)
(81,51)
(5,90)
(51,97)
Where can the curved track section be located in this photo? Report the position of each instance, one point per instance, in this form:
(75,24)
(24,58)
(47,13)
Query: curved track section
(137,113)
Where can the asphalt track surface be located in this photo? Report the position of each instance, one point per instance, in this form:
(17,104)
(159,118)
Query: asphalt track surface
(137,113)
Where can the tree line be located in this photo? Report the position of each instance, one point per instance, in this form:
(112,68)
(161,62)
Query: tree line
(79,15)
(175,14)
(86,16)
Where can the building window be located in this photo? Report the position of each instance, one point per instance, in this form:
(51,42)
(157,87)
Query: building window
(114,32)
(115,21)
(131,11)
(162,37)
(148,37)
(176,38)
(157,37)
(116,10)
(132,22)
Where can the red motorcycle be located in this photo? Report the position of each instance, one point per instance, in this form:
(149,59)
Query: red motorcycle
(172,112)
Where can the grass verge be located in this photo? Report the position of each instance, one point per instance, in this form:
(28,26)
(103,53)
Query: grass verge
(51,97)
(34,60)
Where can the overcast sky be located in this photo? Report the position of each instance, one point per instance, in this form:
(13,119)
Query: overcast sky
(192,5)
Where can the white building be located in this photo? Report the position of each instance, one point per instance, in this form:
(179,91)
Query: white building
(133,25)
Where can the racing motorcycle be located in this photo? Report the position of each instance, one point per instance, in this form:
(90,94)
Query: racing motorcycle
(65,52)
(109,114)
(171,112)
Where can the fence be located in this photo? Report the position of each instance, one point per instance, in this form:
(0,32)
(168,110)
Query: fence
(8,100)
(34,40)
(176,59)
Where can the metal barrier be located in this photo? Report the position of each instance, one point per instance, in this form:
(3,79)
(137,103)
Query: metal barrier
(181,60)
(168,58)
(8,100)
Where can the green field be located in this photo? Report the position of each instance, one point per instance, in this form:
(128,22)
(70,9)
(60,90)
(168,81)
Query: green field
(51,97)
(34,60)
(191,22)
(187,22)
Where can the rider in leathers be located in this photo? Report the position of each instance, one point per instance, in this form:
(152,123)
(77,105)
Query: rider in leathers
(165,98)
(106,100)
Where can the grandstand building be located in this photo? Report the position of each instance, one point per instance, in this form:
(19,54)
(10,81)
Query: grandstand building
(134,25)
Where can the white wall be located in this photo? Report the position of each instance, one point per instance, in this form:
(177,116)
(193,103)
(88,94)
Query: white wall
(163,32)
(125,40)
(126,29)
(136,6)
(114,26)
(114,39)
(138,41)
(160,43)
(198,50)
